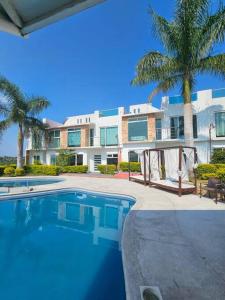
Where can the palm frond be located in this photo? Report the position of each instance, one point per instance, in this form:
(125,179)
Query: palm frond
(214,65)
(212,31)
(165,31)
(164,86)
(155,67)
(12,93)
(37,104)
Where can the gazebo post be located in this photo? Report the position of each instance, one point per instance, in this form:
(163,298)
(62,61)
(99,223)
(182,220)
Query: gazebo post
(144,167)
(180,170)
(129,164)
(149,168)
(195,175)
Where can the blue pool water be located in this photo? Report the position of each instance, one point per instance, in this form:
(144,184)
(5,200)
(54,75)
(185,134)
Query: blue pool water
(63,246)
(28,182)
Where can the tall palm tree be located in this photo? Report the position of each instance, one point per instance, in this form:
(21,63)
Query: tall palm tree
(189,42)
(19,109)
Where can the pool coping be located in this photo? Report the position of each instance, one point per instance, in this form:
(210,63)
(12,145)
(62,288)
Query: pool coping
(137,265)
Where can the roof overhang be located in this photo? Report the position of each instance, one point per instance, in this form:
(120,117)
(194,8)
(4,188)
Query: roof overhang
(21,17)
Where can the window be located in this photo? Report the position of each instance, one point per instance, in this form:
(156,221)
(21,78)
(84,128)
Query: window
(54,139)
(138,110)
(74,137)
(133,156)
(134,111)
(158,128)
(109,136)
(91,137)
(177,127)
(77,121)
(112,159)
(79,160)
(137,129)
(36,159)
(220,124)
(53,159)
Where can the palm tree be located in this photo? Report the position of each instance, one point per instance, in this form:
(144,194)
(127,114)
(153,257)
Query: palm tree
(189,42)
(19,109)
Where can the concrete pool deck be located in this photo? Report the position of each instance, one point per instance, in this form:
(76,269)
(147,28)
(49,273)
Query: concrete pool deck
(176,244)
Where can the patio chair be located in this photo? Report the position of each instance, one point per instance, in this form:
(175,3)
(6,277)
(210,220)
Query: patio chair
(214,186)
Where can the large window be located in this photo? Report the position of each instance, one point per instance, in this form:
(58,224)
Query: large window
(91,137)
(54,139)
(138,129)
(109,136)
(158,128)
(177,127)
(220,124)
(74,137)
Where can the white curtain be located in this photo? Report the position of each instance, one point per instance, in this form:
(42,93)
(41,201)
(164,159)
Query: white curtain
(154,165)
(171,164)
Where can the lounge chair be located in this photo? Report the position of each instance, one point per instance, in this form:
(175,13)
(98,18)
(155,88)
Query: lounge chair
(214,186)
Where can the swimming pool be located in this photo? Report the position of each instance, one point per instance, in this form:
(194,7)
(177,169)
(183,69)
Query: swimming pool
(64,245)
(28,182)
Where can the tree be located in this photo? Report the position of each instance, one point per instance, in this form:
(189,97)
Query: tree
(189,41)
(21,110)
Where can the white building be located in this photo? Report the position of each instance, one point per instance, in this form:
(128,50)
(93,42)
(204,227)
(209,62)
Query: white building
(106,137)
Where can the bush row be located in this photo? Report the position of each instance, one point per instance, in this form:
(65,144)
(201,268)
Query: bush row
(205,171)
(107,169)
(74,169)
(41,170)
(134,166)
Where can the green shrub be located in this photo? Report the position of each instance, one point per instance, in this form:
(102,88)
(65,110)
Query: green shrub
(12,165)
(206,176)
(2,168)
(134,166)
(74,169)
(9,171)
(19,172)
(221,174)
(107,169)
(219,166)
(37,162)
(218,157)
(42,170)
(205,169)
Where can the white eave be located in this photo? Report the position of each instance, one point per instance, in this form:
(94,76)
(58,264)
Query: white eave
(21,17)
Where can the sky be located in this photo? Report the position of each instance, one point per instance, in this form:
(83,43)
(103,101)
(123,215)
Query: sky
(86,62)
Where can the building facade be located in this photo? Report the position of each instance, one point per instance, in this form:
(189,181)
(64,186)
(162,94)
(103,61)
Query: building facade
(107,137)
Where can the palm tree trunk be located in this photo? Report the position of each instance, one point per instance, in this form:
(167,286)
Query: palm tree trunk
(20,147)
(188,115)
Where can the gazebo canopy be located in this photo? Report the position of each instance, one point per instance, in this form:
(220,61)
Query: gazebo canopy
(21,17)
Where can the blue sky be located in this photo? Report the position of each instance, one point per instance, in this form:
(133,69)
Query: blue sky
(86,62)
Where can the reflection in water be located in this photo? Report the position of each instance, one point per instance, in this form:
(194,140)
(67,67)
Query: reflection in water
(62,246)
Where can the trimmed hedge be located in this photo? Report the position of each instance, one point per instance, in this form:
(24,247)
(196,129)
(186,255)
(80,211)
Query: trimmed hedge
(206,176)
(205,171)
(42,170)
(9,171)
(107,169)
(19,172)
(2,168)
(221,174)
(134,166)
(73,169)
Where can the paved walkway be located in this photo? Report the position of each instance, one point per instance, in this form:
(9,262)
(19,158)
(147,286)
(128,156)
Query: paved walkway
(176,244)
